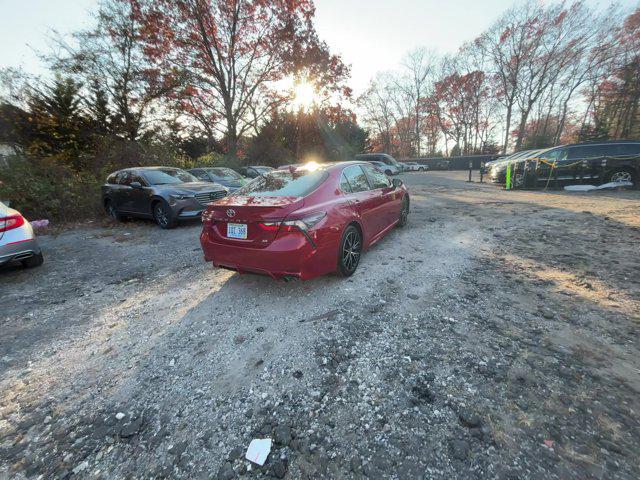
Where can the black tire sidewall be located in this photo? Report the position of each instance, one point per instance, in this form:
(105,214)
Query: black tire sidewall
(342,270)
(112,211)
(405,204)
(34,261)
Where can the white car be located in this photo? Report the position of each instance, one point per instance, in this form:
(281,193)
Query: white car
(17,240)
(416,167)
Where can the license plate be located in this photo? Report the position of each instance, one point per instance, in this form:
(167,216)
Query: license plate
(237,230)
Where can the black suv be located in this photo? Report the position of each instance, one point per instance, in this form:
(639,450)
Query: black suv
(164,194)
(592,162)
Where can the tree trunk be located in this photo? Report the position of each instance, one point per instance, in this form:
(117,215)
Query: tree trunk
(508,127)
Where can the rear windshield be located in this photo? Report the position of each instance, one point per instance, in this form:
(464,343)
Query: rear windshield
(283,183)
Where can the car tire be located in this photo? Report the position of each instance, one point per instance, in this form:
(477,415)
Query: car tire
(34,261)
(388,172)
(111,211)
(518,180)
(162,215)
(620,175)
(350,251)
(404,212)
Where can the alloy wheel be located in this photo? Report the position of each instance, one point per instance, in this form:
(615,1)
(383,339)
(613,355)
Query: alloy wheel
(621,176)
(161,216)
(351,249)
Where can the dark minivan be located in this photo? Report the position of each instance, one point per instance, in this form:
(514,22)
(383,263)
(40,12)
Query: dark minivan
(593,162)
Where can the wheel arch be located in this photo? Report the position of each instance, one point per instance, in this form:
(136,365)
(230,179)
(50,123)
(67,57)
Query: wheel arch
(356,223)
(153,200)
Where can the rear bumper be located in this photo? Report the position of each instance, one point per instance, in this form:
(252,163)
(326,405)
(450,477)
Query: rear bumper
(287,256)
(19,250)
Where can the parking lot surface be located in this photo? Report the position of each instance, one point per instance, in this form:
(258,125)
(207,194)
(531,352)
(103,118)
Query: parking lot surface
(495,336)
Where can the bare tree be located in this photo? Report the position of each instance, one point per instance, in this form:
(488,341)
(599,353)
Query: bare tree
(415,84)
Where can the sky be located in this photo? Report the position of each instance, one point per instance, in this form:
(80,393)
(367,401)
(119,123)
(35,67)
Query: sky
(371,35)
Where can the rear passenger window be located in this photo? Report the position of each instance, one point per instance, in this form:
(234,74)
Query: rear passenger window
(628,149)
(377,179)
(356,178)
(344,184)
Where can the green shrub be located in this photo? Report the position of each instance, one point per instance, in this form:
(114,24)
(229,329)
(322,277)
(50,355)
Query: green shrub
(42,188)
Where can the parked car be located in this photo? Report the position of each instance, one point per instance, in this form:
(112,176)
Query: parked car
(496,169)
(379,157)
(226,177)
(383,167)
(164,194)
(440,164)
(303,223)
(254,171)
(416,167)
(622,163)
(18,243)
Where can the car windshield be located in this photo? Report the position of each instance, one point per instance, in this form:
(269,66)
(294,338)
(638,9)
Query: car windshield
(224,173)
(283,183)
(163,176)
(262,169)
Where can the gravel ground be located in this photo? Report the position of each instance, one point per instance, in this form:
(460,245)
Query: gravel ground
(495,336)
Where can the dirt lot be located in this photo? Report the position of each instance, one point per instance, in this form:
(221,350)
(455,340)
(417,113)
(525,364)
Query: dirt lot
(496,336)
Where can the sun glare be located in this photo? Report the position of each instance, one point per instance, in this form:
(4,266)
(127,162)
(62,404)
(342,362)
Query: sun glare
(304,95)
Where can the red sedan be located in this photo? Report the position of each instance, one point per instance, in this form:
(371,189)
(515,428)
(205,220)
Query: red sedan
(305,221)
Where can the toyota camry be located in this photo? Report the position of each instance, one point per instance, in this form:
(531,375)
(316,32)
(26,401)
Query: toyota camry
(304,221)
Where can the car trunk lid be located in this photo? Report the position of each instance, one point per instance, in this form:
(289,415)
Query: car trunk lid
(260,215)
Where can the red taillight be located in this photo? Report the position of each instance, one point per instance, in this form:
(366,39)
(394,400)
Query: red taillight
(269,226)
(9,223)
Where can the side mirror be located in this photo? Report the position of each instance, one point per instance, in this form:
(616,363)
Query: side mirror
(397,183)
(135,185)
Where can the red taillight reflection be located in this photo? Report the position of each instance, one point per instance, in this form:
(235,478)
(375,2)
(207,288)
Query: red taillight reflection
(9,223)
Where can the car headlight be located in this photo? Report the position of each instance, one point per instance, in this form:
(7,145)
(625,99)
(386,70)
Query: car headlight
(181,196)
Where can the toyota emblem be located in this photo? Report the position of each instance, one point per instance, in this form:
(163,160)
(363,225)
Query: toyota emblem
(231,212)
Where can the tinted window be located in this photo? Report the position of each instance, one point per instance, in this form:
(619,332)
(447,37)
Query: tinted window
(283,183)
(112,179)
(200,175)
(136,178)
(590,151)
(628,149)
(224,173)
(124,178)
(168,175)
(555,154)
(356,178)
(377,179)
